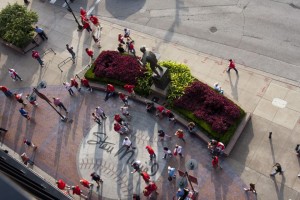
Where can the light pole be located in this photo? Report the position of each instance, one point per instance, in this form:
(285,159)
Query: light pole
(80,27)
(42,96)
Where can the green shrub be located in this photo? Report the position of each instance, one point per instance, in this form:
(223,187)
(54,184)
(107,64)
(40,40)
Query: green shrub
(17,25)
(181,77)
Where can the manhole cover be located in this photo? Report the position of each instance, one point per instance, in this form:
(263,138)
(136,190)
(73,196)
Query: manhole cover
(213,29)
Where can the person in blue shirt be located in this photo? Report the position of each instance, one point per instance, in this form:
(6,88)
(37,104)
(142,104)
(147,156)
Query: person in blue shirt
(171,173)
(24,113)
(41,33)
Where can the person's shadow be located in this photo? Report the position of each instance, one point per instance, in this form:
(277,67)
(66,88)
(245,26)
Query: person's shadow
(234,89)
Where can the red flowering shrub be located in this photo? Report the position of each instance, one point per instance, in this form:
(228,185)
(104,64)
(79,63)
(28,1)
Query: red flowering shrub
(113,65)
(209,106)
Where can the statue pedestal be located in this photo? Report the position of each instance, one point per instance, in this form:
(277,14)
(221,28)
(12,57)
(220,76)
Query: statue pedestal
(162,81)
(160,84)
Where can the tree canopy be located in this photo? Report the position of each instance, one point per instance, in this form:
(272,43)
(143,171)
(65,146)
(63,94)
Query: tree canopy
(16,25)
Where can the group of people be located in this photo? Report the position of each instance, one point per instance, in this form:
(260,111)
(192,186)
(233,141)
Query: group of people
(76,189)
(125,39)
(74,84)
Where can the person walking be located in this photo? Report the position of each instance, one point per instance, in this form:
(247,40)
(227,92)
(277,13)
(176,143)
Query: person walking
(6,91)
(41,33)
(277,169)
(75,84)
(136,166)
(100,112)
(215,162)
(151,152)
(171,173)
(86,183)
(178,150)
(35,55)
(20,99)
(145,176)
(179,134)
(32,99)
(127,143)
(69,88)
(14,75)
(62,185)
(26,160)
(24,113)
(149,189)
(168,152)
(232,66)
(85,83)
(251,188)
(162,135)
(96,178)
(90,53)
(96,119)
(131,48)
(127,33)
(171,116)
(59,104)
(76,190)
(121,48)
(124,98)
(110,90)
(125,112)
(29,144)
(70,50)
(191,127)
(95,20)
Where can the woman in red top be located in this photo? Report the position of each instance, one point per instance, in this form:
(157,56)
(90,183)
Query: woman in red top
(121,39)
(124,98)
(151,152)
(145,176)
(215,162)
(149,189)
(159,111)
(77,190)
(129,89)
(75,84)
(6,91)
(94,20)
(82,11)
(62,185)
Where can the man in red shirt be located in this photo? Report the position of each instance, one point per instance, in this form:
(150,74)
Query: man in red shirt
(110,90)
(86,183)
(145,176)
(151,152)
(215,162)
(90,53)
(232,66)
(75,84)
(6,91)
(149,189)
(129,89)
(159,111)
(179,134)
(85,83)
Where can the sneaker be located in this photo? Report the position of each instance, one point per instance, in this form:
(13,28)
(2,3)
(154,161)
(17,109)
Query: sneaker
(245,189)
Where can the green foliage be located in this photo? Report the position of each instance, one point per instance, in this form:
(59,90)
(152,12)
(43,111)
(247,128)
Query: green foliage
(17,25)
(143,84)
(181,77)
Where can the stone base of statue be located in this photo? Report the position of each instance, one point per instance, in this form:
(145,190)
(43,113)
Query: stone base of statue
(164,79)
(160,84)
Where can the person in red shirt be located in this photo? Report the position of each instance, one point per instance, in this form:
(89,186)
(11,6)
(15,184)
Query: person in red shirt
(145,176)
(215,162)
(86,183)
(90,53)
(159,111)
(130,89)
(95,21)
(149,189)
(85,83)
(82,12)
(179,134)
(124,98)
(131,48)
(36,56)
(151,152)
(232,66)
(110,90)
(86,25)
(78,191)
(121,39)
(62,185)
(119,119)
(6,91)
(20,99)
(75,84)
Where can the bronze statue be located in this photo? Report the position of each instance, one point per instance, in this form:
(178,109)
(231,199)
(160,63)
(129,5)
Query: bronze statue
(150,57)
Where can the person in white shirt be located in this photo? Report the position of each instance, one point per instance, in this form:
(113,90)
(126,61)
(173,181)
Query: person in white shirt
(178,150)
(100,112)
(68,87)
(124,110)
(218,88)
(127,143)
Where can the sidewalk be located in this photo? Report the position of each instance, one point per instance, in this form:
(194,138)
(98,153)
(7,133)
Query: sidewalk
(254,91)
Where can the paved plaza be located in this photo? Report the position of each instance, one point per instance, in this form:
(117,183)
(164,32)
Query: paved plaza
(74,149)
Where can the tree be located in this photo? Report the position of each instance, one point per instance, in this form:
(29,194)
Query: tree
(16,25)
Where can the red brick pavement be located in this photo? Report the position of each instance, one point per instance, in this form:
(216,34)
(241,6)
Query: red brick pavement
(58,143)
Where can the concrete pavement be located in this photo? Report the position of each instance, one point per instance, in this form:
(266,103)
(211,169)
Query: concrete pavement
(257,92)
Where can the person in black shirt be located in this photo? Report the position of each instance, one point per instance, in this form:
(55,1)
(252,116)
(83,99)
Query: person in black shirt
(121,49)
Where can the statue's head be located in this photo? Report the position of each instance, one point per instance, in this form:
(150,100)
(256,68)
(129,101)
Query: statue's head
(143,49)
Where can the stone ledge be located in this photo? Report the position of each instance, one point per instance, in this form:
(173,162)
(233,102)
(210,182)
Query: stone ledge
(183,122)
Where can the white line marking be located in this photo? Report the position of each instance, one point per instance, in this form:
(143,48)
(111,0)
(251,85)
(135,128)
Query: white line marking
(52,1)
(64,5)
(93,7)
